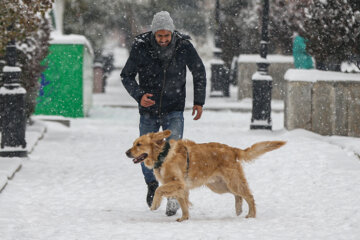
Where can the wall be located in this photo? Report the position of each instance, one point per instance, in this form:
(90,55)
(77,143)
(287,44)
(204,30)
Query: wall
(327,103)
(247,67)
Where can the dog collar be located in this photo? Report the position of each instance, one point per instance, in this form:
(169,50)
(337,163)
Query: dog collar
(162,156)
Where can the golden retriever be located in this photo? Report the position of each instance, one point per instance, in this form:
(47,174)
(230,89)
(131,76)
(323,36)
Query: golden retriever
(183,165)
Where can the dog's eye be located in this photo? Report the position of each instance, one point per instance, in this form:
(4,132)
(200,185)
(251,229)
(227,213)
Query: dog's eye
(138,144)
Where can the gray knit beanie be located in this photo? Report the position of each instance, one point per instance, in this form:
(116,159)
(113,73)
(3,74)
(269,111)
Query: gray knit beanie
(162,21)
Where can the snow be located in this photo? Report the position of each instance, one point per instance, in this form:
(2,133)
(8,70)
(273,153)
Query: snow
(271,58)
(57,38)
(78,183)
(11,69)
(349,67)
(324,2)
(122,55)
(260,123)
(260,76)
(8,91)
(313,75)
(9,166)
(217,61)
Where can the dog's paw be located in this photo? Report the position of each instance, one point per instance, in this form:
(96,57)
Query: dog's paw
(182,219)
(238,212)
(250,216)
(154,206)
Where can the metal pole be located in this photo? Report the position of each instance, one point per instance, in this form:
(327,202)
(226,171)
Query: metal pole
(13,142)
(262,81)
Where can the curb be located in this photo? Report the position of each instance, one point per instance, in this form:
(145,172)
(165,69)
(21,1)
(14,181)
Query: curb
(9,166)
(211,108)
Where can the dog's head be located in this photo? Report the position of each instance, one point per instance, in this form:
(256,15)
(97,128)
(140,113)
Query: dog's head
(147,148)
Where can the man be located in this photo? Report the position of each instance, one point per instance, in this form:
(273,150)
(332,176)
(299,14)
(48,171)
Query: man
(160,57)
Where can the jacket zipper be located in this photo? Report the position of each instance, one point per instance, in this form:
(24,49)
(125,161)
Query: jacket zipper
(164,79)
(162,91)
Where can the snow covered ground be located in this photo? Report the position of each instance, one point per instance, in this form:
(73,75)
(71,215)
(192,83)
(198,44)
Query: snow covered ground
(78,183)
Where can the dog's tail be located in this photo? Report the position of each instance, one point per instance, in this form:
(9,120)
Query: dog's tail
(257,150)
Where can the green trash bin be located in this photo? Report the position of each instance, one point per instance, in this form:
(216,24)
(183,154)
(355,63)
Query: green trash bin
(67,83)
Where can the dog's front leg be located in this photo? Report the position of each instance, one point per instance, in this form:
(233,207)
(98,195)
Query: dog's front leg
(157,199)
(184,204)
(173,189)
(166,190)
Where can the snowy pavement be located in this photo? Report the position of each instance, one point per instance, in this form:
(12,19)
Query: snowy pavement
(9,166)
(78,183)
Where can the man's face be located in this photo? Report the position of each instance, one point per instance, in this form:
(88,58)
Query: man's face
(163,37)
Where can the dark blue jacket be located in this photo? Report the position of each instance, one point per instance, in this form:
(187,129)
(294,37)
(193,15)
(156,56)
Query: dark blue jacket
(167,84)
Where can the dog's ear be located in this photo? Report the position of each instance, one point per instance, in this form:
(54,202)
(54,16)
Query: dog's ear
(167,133)
(159,136)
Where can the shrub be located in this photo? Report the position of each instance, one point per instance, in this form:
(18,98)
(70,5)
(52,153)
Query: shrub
(25,22)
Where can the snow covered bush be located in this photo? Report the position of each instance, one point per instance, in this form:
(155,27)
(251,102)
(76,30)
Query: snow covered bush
(24,16)
(333,30)
(284,16)
(32,52)
(25,22)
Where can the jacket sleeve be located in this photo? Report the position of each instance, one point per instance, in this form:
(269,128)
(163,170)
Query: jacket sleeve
(197,69)
(129,72)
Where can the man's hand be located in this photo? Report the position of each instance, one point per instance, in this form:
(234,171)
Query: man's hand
(146,101)
(198,110)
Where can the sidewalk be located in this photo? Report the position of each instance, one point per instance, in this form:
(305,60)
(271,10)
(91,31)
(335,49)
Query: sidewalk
(79,184)
(9,166)
(117,96)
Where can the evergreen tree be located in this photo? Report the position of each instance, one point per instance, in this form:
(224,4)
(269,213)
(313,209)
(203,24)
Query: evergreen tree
(333,30)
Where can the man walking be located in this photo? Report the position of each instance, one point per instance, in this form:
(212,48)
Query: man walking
(160,57)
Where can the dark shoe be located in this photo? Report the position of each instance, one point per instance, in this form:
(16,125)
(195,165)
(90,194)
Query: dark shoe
(151,192)
(171,207)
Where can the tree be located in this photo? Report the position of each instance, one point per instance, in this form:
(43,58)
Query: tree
(23,18)
(25,22)
(285,15)
(91,19)
(333,30)
(188,15)
(238,29)
(98,19)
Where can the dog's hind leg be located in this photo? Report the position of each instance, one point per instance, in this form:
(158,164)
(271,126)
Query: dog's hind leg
(237,184)
(238,205)
(218,185)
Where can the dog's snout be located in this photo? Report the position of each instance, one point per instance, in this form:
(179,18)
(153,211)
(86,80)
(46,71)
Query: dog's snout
(128,153)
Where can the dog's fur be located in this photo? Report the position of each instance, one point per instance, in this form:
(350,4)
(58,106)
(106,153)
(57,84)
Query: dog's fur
(215,165)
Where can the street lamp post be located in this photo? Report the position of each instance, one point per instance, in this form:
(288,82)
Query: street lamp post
(13,142)
(219,72)
(262,81)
